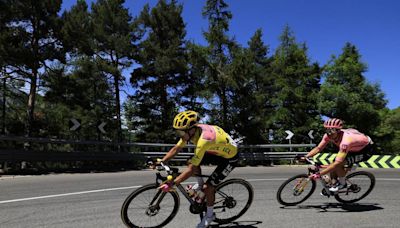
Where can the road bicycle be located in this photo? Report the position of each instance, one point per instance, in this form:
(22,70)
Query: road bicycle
(148,206)
(299,188)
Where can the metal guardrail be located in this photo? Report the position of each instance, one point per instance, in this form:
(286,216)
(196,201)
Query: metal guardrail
(112,151)
(271,156)
(92,142)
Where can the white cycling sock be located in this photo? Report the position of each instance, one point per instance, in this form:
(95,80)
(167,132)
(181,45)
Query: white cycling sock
(342,180)
(210,211)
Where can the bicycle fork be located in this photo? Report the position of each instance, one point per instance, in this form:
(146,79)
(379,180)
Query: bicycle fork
(154,205)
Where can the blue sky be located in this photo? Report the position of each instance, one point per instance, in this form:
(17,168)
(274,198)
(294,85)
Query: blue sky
(372,25)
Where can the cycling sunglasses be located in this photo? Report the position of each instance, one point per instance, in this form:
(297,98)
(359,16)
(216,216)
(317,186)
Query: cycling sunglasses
(180,133)
(331,131)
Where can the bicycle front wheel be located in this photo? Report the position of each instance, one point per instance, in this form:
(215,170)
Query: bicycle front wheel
(232,199)
(359,185)
(295,190)
(149,207)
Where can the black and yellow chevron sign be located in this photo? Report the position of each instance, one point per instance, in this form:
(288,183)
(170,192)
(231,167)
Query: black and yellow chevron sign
(376,161)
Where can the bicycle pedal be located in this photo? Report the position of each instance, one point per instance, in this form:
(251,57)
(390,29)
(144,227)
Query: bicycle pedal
(324,193)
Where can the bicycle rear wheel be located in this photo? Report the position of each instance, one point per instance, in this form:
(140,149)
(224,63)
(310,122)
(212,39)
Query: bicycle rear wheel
(359,185)
(149,207)
(295,190)
(232,199)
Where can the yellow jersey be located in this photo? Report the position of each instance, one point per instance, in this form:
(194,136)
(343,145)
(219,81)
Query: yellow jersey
(210,139)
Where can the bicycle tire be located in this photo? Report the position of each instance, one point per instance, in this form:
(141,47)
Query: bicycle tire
(285,184)
(230,199)
(128,221)
(340,196)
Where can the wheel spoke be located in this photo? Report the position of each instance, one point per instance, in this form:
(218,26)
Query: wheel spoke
(137,211)
(359,185)
(295,190)
(232,199)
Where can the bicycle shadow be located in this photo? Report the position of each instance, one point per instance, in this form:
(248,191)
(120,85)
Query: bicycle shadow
(239,224)
(354,207)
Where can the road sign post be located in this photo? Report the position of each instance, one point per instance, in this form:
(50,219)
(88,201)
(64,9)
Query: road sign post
(289,137)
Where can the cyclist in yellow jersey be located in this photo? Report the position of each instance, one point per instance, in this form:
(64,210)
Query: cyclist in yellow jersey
(213,145)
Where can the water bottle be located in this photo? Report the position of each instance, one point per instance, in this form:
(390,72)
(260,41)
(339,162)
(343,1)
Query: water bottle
(199,194)
(327,179)
(189,189)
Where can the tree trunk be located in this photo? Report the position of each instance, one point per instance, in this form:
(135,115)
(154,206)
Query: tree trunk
(3,130)
(118,106)
(224,108)
(31,104)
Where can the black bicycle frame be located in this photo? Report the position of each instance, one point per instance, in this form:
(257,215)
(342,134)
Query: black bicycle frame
(179,186)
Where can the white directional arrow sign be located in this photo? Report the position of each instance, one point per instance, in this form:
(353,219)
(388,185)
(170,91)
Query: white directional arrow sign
(290,134)
(310,134)
(101,127)
(74,124)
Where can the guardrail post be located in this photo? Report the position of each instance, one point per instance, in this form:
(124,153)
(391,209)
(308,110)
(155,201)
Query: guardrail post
(5,167)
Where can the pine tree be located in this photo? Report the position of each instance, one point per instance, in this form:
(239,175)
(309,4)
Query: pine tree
(85,93)
(251,99)
(194,93)
(33,41)
(163,65)
(297,86)
(347,95)
(220,47)
(77,30)
(113,44)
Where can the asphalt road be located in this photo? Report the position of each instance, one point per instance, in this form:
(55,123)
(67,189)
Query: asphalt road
(94,200)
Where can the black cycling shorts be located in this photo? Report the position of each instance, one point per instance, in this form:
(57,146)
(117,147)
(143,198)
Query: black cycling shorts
(362,155)
(224,167)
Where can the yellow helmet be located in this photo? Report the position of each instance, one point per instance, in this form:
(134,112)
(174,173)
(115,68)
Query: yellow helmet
(186,120)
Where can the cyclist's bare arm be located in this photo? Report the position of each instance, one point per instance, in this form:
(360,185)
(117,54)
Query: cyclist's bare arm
(336,164)
(185,174)
(313,152)
(171,153)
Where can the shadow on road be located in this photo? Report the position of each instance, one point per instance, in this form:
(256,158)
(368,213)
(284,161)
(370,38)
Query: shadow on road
(240,224)
(355,207)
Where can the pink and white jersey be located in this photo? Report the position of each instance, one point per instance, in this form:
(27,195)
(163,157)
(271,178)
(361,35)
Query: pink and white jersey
(350,140)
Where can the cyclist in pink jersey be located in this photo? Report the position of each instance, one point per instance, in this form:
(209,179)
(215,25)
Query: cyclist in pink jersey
(353,146)
(213,145)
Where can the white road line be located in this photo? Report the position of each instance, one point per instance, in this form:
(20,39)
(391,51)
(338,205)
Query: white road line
(138,186)
(67,194)
(388,179)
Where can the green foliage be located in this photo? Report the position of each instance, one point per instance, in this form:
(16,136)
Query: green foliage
(347,95)
(13,105)
(194,92)
(387,134)
(86,93)
(296,85)
(163,67)
(77,30)
(30,31)
(245,89)
(219,57)
(112,29)
(251,101)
